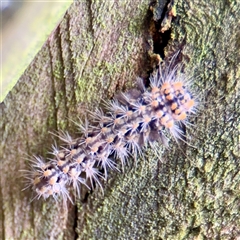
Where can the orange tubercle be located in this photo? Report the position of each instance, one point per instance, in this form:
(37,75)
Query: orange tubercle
(169,124)
(188,105)
(177,86)
(165,86)
(53,180)
(60,163)
(42,190)
(47,173)
(142,108)
(73,151)
(154,103)
(181,116)
(88,140)
(159,114)
(147,119)
(167,91)
(94,149)
(66,169)
(80,158)
(170,96)
(174,106)
(61,155)
(177,111)
(164,120)
(110,139)
(155,90)
(129,113)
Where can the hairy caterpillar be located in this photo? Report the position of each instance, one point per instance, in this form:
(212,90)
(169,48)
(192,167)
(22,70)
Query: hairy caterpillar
(131,120)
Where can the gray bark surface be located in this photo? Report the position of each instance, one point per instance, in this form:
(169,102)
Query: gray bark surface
(189,191)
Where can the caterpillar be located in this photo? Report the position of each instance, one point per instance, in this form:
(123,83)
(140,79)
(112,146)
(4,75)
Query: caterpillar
(131,121)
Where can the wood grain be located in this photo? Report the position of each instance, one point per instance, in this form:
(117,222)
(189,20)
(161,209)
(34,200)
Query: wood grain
(183,192)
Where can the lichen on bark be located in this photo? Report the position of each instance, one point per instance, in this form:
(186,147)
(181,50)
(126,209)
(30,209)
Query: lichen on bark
(183,192)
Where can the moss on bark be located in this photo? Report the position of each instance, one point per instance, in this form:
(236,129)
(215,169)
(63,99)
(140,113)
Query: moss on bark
(179,193)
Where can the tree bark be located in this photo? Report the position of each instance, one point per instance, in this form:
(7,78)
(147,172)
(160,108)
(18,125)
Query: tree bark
(189,191)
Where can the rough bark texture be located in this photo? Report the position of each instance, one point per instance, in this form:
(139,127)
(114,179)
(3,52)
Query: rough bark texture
(183,192)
